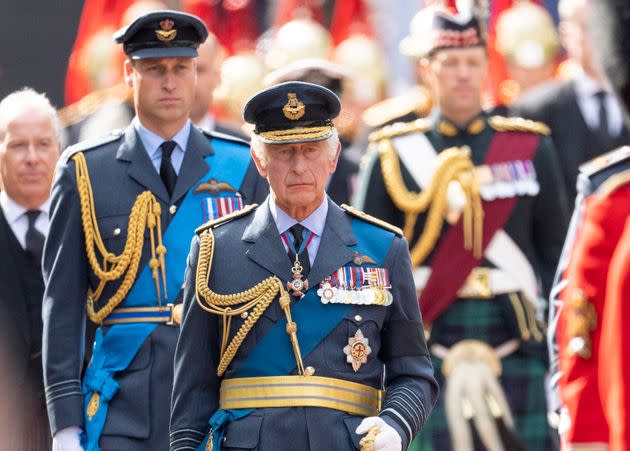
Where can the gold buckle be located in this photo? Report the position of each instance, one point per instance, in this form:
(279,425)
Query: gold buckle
(477,284)
(175,311)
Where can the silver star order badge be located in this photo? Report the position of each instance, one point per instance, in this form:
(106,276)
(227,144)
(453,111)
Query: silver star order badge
(357,350)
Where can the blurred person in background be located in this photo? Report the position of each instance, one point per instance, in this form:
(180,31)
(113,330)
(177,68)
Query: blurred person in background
(584,116)
(29,150)
(474,193)
(528,41)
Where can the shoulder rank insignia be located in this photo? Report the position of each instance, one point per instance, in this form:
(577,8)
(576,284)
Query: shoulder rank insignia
(417,101)
(518,124)
(371,219)
(90,144)
(401,128)
(223,219)
(605,160)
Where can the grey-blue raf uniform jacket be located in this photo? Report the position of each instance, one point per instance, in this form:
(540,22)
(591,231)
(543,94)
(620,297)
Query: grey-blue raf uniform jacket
(248,249)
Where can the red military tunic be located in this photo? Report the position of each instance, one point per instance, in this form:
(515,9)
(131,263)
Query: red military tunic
(590,325)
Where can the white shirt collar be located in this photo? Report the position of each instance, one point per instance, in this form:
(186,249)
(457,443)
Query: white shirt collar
(14,211)
(315,222)
(587,86)
(152,142)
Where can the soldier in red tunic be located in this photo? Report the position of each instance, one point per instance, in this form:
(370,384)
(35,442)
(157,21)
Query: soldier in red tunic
(591,333)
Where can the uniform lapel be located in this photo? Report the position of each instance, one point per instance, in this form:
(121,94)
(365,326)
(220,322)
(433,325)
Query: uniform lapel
(194,167)
(267,249)
(333,250)
(140,167)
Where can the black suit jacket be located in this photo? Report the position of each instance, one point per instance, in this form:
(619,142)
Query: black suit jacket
(14,321)
(556,105)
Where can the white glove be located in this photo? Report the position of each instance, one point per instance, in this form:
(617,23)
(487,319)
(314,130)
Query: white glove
(386,440)
(67,439)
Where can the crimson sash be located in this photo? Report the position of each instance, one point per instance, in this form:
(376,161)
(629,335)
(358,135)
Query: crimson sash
(452,263)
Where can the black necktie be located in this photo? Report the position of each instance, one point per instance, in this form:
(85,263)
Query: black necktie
(167,171)
(296,231)
(34,238)
(603,133)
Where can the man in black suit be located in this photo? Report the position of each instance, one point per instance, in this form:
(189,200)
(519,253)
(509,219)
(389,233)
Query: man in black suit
(584,117)
(29,149)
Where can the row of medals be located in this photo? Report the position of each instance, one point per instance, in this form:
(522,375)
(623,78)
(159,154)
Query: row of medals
(368,295)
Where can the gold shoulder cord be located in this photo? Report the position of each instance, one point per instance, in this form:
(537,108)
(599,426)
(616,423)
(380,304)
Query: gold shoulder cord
(144,213)
(259,297)
(454,164)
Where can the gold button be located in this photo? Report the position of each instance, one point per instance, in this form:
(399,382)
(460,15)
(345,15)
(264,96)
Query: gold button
(358,318)
(172,209)
(244,315)
(309,371)
(117,231)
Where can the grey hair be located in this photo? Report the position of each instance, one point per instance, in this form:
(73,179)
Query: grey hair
(259,147)
(19,102)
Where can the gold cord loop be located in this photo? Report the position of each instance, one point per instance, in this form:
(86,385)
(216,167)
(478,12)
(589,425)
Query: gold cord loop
(145,213)
(258,298)
(453,164)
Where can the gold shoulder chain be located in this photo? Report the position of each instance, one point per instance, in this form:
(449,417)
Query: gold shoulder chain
(145,213)
(258,298)
(454,165)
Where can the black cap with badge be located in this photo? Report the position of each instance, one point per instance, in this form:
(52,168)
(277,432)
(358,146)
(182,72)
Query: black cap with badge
(292,112)
(162,34)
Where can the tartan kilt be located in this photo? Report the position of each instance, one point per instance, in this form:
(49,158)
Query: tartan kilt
(523,372)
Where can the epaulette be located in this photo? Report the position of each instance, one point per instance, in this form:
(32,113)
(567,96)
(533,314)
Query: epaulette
(613,183)
(518,124)
(224,136)
(604,161)
(401,128)
(94,143)
(371,219)
(417,102)
(247,209)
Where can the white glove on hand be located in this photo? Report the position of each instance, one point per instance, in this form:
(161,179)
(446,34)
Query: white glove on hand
(67,439)
(387,439)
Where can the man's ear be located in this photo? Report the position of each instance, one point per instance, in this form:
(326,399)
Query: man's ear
(262,170)
(128,72)
(333,163)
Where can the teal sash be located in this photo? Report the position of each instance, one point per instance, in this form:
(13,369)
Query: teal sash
(315,321)
(115,350)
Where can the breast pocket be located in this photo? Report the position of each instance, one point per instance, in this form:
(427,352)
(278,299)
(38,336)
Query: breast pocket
(356,338)
(242,434)
(113,231)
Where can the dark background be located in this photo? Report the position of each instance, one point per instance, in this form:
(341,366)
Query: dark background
(36,38)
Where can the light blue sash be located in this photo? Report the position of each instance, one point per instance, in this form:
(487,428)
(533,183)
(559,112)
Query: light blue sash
(115,350)
(315,321)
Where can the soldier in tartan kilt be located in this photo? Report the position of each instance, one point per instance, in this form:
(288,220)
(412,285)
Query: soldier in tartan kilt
(480,200)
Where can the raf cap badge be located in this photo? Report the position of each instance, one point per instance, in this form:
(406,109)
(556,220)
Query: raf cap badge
(294,109)
(357,350)
(166,32)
